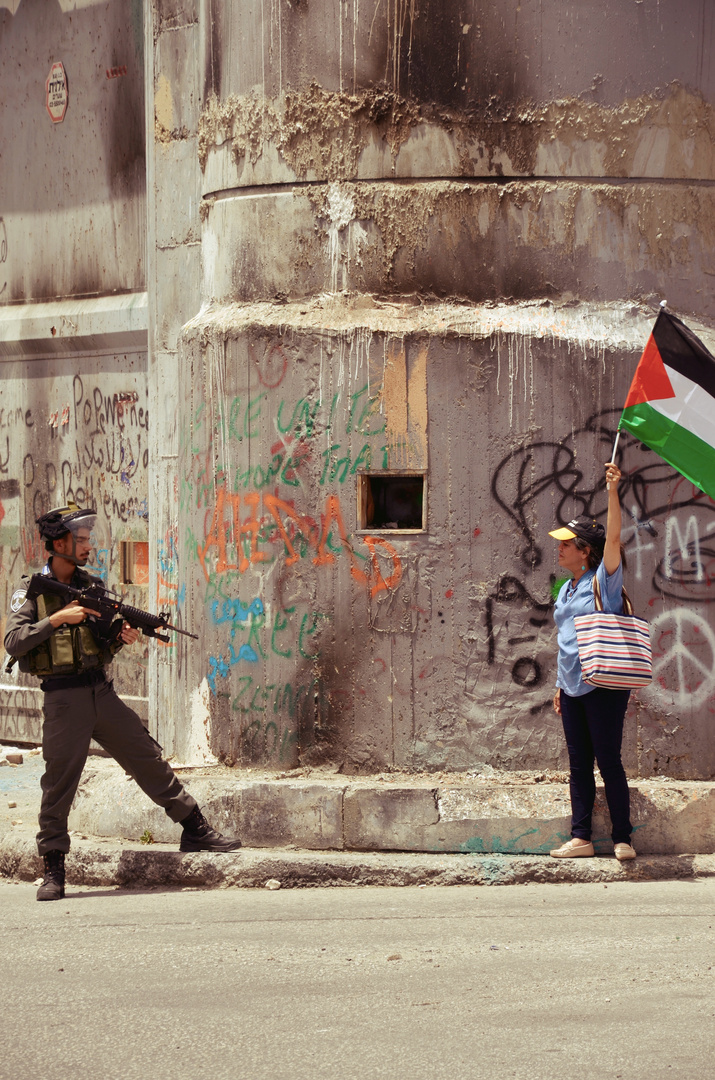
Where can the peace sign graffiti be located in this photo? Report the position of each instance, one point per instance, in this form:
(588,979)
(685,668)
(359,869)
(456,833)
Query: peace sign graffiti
(683,657)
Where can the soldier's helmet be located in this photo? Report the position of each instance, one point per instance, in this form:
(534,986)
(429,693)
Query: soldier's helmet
(64,519)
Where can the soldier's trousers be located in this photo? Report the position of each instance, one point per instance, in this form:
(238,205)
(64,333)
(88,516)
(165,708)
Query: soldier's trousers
(73,717)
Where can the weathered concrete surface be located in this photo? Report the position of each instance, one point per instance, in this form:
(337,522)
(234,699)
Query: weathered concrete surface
(73,306)
(493,55)
(73,209)
(397,158)
(343,147)
(364,175)
(326,640)
(398,814)
(317,135)
(86,324)
(391,830)
(174,60)
(269,814)
(95,863)
(466,238)
(73,429)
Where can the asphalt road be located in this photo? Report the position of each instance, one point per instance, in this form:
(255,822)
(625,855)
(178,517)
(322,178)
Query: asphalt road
(531,982)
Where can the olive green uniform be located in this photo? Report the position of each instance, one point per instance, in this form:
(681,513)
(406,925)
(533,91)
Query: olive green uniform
(80,704)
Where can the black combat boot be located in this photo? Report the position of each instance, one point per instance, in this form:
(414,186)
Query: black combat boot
(53,885)
(199,836)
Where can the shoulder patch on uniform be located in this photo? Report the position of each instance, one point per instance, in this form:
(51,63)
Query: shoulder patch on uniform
(18,599)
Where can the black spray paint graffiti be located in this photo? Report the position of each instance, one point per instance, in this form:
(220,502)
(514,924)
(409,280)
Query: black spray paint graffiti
(668,524)
(21,715)
(526,670)
(651,493)
(107,440)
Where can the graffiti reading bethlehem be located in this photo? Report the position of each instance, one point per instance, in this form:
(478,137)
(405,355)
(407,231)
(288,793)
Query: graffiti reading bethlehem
(82,437)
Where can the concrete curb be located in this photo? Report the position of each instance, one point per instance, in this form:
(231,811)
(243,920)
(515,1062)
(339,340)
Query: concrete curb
(330,830)
(334,813)
(98,863)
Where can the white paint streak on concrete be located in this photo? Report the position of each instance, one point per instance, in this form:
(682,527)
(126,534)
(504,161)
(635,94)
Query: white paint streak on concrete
(197,737)
(341,211)
(209,253)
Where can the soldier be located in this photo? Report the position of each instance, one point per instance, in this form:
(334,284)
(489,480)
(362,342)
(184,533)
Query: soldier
(68,653)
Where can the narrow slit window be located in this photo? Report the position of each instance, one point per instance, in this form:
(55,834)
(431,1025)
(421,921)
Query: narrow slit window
(133,562)
(394,501)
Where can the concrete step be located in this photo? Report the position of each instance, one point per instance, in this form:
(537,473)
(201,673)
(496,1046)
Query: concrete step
(329,812)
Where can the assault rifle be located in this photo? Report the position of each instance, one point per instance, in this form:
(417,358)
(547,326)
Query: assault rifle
(107,606)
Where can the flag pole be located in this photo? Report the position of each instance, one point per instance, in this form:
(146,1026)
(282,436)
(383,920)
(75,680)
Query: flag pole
(663,305)
(613,455)
(615,446)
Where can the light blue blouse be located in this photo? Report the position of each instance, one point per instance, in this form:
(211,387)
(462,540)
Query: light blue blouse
(580,601)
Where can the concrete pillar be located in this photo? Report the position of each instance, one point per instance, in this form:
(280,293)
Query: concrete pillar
(430,236)
(479,150)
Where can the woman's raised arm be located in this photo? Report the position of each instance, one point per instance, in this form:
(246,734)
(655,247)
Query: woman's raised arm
(612,549)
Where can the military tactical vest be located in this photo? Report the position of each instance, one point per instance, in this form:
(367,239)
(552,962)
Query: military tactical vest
(68,651)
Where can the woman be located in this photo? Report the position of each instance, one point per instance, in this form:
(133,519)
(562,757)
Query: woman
(592,716)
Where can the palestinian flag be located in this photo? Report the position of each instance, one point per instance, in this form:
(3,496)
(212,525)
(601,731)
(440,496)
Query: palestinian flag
(671,403)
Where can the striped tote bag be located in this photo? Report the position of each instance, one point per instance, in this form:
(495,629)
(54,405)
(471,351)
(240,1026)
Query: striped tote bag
(615,650)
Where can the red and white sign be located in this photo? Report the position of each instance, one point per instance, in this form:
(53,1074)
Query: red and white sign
(57,94)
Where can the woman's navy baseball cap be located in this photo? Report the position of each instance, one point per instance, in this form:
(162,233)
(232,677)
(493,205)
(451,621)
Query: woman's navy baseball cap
(585,528)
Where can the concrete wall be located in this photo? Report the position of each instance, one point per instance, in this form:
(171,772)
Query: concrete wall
(479,150)
(73,311)
(475,149)
(73,205)
(422,238)
(320,176)
(322,643)
(174,286)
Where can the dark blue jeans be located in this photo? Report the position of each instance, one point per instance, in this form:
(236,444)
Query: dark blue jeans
(593,726)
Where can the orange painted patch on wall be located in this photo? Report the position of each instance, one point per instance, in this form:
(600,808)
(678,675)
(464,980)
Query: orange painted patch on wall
(134,562)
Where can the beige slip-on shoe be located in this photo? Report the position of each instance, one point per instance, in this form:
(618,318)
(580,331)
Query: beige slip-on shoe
(570,850)
(624,852)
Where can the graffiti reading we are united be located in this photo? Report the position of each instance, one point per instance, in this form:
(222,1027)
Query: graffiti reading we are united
(297,425)
(240,418)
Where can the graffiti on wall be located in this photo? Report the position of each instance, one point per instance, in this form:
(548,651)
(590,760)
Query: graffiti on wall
(266,500)
(70,436)
(669,537)
(267,486)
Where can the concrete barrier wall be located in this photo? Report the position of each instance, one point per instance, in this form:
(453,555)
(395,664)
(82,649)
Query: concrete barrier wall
(72,202)
(497,150)
(72,429)
(430,814)
(469,239)
(322,642)
(173,89)
(74,421)
(549,166)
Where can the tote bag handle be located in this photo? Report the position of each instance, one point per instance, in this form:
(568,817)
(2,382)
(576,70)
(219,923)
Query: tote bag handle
(627,604)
